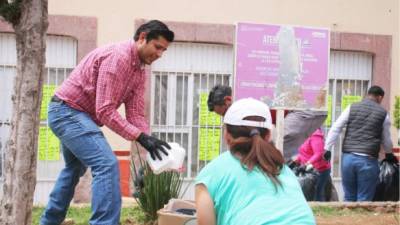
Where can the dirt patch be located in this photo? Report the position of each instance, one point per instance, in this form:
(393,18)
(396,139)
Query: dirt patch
(358,219)
(381,219)
(358,213)
(333,213)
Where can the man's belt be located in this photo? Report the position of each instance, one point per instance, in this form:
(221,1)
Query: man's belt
(56,99)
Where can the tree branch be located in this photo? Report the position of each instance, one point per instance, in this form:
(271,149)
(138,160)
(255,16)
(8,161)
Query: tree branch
(11,11)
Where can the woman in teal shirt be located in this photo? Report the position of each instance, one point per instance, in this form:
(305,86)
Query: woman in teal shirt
(249,184)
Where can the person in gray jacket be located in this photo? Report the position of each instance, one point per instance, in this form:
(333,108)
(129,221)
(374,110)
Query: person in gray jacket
(367,128)
(298,126)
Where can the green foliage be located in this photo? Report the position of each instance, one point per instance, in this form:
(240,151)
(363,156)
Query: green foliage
(11,12)
(396,112)
(81,215)
(153,191)
(324,211)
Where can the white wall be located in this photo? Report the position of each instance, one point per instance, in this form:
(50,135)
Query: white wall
(116,20)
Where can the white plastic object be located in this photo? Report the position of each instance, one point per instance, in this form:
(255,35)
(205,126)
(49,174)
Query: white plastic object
(172,161)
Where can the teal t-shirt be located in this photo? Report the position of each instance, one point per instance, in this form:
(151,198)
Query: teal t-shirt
(250,198)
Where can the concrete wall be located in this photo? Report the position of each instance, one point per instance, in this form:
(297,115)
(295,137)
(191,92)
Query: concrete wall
(395,64)
(116,20)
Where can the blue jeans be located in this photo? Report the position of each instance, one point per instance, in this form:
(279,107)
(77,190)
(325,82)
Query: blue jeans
(322,180)
(359,177)
(83,145)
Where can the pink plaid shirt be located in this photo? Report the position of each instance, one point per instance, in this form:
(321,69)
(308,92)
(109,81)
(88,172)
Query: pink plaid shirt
(103,80)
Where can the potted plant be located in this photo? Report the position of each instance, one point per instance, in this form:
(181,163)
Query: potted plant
(153,191)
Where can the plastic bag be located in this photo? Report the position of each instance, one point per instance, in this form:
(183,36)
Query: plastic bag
(307,180)
(388,185)
(330,191)
(306,185)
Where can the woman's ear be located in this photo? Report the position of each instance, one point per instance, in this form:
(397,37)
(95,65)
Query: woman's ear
(268,136)
(228,138)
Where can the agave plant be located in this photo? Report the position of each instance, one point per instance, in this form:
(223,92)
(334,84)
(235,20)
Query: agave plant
(152,191)
(396,121)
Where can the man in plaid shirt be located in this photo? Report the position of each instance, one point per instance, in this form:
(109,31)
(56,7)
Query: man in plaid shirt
(107,77)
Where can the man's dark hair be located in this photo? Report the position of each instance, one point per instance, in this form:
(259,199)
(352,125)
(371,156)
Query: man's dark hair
(376,91)
(154,29)
(217,95)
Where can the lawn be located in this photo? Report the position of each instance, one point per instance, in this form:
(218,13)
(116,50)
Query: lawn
(81,215)
(325,215)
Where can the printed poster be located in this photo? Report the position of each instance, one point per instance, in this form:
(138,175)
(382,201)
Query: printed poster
(206,117)
(348,100)
(48,145)
(48,92)
(209,143)
(281,65)
(328,120)
(209,135)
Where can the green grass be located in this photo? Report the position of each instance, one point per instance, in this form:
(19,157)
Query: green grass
(331,211)
(81,215)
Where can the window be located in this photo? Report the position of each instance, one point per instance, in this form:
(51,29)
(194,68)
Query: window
(61,53)
(182,78)
(180,84)
(349,79)
(8,59)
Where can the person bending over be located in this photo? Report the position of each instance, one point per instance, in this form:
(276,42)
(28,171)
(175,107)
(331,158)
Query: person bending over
(250,184)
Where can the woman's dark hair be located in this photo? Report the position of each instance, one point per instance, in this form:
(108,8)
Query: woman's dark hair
(154,29)
(255,151)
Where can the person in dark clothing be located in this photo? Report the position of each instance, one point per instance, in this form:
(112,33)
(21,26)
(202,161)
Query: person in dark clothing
(219,99)
(367,128)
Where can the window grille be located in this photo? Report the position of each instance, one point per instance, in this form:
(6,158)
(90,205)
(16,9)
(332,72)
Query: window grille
(61,53)
(349,79)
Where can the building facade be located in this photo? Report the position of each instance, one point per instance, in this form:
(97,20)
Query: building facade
(364,51)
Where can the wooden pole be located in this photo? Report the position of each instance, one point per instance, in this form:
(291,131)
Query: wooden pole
(280,115)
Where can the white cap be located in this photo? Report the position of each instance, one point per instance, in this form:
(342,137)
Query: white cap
(248,107)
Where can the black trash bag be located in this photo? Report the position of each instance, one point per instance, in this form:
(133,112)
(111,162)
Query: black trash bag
(330,191)
(331,194)
(292,164)
(307,180)
(388,185)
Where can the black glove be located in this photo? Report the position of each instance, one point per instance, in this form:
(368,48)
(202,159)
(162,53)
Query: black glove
(302,168)
(292,164)
(327,155)
(153,145)
(391,158)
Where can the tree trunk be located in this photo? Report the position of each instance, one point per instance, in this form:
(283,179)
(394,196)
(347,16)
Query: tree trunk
(21,150)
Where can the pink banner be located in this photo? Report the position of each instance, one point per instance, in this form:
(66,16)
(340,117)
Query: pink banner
(284,66)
